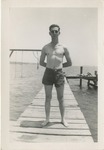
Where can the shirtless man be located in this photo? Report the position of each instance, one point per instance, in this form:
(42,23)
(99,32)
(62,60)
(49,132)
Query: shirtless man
(54,52)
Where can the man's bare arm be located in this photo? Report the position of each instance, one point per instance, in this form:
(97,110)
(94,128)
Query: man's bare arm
(42,58)
(68,59)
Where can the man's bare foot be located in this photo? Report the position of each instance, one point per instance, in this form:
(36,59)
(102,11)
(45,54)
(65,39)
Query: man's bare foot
(45,123)
(65,123)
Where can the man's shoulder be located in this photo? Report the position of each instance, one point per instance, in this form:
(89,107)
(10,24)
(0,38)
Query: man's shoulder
(63,46)
(46,46)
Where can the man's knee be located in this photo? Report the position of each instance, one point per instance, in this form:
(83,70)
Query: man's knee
(48,97)
(60,98)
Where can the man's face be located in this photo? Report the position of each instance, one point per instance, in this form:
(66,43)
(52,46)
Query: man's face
(54,32)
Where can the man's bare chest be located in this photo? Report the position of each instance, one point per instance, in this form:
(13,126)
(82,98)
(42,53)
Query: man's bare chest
(56,51)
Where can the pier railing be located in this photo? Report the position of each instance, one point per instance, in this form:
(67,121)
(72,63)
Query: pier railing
(14,50)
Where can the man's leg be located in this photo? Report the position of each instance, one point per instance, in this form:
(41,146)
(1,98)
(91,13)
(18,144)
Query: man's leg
(48,93)
(60,96)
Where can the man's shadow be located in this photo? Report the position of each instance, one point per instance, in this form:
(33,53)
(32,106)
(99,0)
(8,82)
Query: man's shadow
(36,124)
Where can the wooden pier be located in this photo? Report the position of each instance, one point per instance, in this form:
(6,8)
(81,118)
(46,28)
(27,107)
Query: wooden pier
(28,127)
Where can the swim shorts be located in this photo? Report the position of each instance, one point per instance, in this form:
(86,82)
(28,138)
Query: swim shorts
(52,76)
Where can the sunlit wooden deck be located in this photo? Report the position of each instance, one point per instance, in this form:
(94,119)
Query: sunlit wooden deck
(28,127)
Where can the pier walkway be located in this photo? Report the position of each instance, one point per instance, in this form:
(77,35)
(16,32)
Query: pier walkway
(28,127)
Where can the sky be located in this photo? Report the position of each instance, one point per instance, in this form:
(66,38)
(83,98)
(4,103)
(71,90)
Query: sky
(29,29)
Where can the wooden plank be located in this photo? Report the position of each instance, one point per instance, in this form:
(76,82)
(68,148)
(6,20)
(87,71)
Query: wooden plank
(53,103)
(49,131)
(74,77)
(82,77)
(54,114)
(70,117)
(39,138)
(55,94)
(67,92)
(35,109)
(54,108)
(55,97)
(66,89)
(52,124)
(70,121)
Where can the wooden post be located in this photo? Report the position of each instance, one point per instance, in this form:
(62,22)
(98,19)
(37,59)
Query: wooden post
(96,74)
(81,71)
(88,83)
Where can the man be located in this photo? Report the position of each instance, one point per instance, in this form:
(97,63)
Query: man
(54,52)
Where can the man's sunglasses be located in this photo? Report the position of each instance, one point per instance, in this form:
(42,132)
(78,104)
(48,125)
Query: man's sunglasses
(54,31)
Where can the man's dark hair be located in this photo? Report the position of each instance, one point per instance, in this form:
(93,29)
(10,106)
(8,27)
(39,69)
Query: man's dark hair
(54,25)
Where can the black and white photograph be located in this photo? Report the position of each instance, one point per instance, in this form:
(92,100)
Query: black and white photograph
(53,75)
